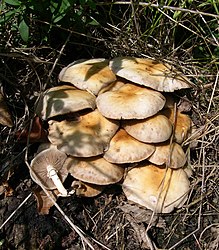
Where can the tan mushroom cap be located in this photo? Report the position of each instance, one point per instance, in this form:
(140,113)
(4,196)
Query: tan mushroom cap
(48,157)
(124,148)
(130,102)
(91,75)
(154,129)
(64,99)
(84,189)
(88,136)
(95,170)
(158,189)
(172,155)
(149,73)
(5,116)
(114,86)
(182,125)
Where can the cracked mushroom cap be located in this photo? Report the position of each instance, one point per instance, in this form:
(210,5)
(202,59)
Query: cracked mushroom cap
(64,99)
(88,136)
(154,129)
(172,155)
(5,116)
(95,170)
(182,124)
(123,148)
(149,73)
(158,189)
(91,75)
(130,102)
(48,157)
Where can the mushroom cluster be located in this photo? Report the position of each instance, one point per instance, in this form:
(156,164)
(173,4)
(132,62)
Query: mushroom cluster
(112,121)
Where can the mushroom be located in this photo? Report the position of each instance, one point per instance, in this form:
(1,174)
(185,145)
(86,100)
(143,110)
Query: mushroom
(112,86)
(87,189)
(123,148)
(45,145)
(86,137)
(155,188)
(154,129)
(47,170)
(64,99)
(130,102)
(172,155)
(94,170)
(5,116)
(91,75)
(149,73)
(182,124)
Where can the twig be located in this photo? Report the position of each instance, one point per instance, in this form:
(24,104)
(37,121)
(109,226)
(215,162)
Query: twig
(160,6)
(213,91)
(57,59)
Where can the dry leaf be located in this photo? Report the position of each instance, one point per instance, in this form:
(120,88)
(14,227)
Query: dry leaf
(6,189)
(37,133)
(5,116)
(44,203)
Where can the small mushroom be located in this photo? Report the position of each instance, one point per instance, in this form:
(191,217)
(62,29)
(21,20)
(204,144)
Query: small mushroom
(182,124)
(64,99)
(130,102)
(91,75)
(86,137)
(155,188)
(123,148)
(172,155)
(94,170)
(154,129)
(47,170)
(84,189)
(150,73)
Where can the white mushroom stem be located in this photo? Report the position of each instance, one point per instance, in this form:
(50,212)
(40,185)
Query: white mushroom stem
(52,173)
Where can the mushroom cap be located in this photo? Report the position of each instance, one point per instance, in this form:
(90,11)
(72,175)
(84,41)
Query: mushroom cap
(172,155)
(95,170)
(149,73)
(130,102)
(182,125)
(45,145)
(91,75)
(114,86)
(158,189)
(64,99)
(41,161)
(87,189)
(86,137)
(5,116)
(154,129)
(123,148)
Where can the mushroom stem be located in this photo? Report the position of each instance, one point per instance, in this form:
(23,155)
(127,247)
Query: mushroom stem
(55,178)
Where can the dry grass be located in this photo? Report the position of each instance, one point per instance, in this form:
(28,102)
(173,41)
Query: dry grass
(184,36)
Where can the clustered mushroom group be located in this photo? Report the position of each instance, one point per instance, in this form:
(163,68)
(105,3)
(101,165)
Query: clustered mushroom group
(115,121)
